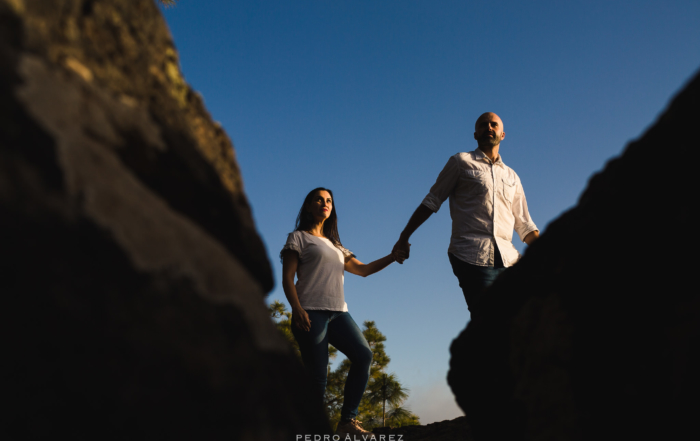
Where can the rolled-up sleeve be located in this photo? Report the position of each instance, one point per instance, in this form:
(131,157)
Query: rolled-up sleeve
(523,222)
(445,183)
(293,243)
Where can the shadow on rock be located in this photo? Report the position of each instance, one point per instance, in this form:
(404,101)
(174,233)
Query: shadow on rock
(134,273)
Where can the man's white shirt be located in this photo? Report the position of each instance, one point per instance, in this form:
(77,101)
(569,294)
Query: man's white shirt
(487,203)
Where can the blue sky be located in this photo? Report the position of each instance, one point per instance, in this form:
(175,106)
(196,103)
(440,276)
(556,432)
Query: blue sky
(370,99)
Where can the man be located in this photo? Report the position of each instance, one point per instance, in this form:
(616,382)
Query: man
(486,203)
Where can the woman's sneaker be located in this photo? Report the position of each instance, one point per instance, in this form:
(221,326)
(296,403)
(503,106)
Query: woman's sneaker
(352,427)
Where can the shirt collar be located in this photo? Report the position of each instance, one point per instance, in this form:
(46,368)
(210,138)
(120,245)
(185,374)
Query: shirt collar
(481,156)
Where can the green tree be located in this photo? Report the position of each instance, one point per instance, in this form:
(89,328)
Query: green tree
(376,340)
(283,321)
(400,416)
(385,388)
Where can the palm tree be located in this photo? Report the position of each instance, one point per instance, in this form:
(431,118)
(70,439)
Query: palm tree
(386,388)
(398,413)
(168,3)
(400,416)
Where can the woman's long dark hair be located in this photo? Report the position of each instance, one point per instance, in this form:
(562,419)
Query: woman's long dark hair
(305,220)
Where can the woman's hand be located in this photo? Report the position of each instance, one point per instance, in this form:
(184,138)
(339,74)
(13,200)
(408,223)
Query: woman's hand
(354,266)
(301,319)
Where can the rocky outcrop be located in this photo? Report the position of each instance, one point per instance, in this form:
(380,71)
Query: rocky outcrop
(448,430)
(595,333)
(134,273)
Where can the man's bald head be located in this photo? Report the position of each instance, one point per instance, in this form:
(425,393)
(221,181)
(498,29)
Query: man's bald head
(488,116)
(488,130)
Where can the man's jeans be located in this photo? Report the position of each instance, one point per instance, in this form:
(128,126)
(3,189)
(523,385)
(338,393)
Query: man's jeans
(340,330)
(475,279)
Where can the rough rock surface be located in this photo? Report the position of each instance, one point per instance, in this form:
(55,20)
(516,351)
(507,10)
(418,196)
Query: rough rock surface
(595,333)
(449,430)
(134,273)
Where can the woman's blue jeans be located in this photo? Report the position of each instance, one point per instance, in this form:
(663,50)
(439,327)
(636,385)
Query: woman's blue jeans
(340,330)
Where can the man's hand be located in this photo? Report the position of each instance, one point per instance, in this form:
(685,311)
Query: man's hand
(401,250)
(399,255)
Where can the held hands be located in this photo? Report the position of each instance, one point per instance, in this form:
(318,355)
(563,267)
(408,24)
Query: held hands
(301,319)
(401,250)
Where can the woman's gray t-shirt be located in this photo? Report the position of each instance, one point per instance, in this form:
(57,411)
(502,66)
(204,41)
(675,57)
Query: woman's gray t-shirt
(320,272)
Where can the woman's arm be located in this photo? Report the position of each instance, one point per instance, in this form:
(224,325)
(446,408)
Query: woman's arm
(290,262)
(356,267)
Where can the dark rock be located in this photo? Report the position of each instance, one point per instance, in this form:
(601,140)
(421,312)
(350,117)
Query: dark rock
(448,430)
(595,334)
(134,272)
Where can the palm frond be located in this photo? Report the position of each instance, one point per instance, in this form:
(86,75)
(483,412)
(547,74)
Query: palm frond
(399,416)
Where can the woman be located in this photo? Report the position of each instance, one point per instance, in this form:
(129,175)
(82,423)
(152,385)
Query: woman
(319,313)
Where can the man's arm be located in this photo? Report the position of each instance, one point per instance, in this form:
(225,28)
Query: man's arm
(419,216)
(531,236)
(524,226)
(439,192)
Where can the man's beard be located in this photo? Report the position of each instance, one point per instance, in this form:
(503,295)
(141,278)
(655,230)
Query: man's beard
(486,141)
